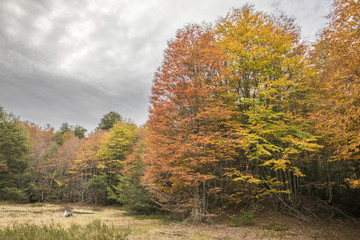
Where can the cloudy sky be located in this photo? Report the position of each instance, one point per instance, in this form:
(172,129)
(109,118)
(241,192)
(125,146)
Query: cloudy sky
(75,60)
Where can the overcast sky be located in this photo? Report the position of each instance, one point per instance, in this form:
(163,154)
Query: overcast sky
(75,60)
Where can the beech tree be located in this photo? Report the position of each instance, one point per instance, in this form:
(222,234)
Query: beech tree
(336,96)
(266,65)
(191,135)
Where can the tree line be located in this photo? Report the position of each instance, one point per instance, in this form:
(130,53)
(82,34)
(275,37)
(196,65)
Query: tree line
(243,113)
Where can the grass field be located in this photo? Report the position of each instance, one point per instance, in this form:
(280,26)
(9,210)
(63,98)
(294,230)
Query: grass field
(91,222)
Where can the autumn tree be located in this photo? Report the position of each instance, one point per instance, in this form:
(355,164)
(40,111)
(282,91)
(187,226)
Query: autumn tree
(115,148)
(43,148)
(266,66)
(55,184)
(191,136)
(129,191)
(335,100)
(85,166)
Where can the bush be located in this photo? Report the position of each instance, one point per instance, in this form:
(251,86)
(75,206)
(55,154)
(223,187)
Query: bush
(92,231)
(247,219)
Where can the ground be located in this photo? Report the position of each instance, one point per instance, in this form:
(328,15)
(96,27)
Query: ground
(269,225)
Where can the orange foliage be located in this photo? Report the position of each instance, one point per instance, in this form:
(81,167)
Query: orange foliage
(191,135)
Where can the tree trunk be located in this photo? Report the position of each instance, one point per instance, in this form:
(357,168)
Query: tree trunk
(198,212)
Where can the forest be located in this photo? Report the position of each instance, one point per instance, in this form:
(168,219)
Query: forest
(244,114)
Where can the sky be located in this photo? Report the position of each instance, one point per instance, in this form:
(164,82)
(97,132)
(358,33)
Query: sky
(74,61)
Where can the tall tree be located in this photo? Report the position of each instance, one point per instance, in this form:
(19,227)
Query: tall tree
(191,135)
(85,165)
(55,184)
(129,191)
(266,65)
(14,157)
(337,90)
(43,148)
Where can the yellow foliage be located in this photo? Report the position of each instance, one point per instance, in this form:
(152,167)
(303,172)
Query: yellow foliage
(58,183)
(354,183)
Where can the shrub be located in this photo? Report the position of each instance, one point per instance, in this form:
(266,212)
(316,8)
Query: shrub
(247,219)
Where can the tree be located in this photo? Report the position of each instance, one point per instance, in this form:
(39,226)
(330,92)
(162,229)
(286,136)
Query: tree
(335,99)
(266,67)
(108,120)
(43,148)
(129,191)
(97,189)
(55,184)
(192,137)
(67,130)
(115,148)
(14,157)
(79,131)
(85,165)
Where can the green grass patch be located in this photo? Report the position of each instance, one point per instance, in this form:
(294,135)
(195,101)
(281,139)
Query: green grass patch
(247,219)
(38,205)
(163,219)
(277,227)
(92,231)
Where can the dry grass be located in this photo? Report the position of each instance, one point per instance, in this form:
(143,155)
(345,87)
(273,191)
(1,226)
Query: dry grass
(154,228)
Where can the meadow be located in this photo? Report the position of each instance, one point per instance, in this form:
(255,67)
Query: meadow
(46,221)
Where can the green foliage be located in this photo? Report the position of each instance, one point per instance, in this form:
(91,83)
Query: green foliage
(117,146)
(109,120)
(234,221)
(12,194)
(97,189)
(92,231)
(32,191)
(161,217)
(129,190)
(14,157)
(79,131)
(14,144)
(277,227)
(266,67)
(247,219)
(66,130)
(132,195)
